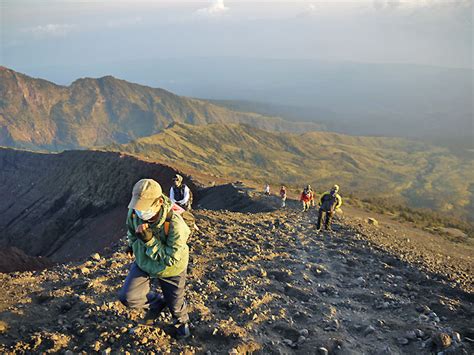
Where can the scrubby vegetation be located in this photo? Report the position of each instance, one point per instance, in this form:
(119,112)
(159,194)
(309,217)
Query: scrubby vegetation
(406,172)
(423,218)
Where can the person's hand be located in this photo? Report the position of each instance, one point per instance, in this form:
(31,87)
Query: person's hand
(129,251)
(141,228)
(144,233)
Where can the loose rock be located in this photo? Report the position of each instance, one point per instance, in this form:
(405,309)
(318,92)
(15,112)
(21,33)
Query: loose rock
(441,340)
(304,332)
(372,221)
(3,327)
(95,256)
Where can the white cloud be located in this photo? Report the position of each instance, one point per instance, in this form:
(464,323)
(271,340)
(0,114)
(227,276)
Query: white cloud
(309,10)
(51,29)
(123,22)
(413,4)
(216,8)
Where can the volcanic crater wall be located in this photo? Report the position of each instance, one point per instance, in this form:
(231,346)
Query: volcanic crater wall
(66,206)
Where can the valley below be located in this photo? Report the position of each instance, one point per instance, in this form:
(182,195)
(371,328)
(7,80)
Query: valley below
(400,171)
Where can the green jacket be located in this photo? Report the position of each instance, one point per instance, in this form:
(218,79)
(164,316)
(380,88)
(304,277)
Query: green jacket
(162,256)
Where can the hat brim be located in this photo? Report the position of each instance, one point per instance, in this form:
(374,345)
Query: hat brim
(141,204)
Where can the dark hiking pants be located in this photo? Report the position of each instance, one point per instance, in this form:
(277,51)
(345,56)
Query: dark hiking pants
(136,293)
(327,220)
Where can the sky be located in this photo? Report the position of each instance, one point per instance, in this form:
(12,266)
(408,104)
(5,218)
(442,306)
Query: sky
(39,34)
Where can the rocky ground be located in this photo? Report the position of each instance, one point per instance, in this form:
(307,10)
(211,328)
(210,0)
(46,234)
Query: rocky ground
(261,282)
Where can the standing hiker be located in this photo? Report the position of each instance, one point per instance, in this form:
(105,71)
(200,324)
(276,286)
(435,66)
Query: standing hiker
(180,193)
(307,197)
(283,196)
(267,189)
(157,237)
(329,202)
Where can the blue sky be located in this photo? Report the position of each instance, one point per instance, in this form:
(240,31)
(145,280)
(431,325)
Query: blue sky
(36,34)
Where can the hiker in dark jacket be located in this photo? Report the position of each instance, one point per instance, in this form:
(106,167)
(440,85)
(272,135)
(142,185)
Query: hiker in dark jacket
(157,237)
(329,202)
(180,193)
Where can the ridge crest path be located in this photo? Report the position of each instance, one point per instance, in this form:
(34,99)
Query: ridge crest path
(264,282)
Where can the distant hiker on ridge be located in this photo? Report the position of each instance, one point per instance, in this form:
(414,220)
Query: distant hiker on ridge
(329,202)
(160,253)
(267,189)
(307,197)
(283,196)
(180,193)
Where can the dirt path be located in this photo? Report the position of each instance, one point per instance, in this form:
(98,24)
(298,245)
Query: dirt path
(263,282)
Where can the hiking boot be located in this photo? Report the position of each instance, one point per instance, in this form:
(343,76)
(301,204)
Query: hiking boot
(150,316)
(182,332)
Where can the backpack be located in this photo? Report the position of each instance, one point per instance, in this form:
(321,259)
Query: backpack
(187,217)
(329,202)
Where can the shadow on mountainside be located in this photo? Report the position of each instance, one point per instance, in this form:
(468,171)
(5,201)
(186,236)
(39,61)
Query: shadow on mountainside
(64,207)
(264,282)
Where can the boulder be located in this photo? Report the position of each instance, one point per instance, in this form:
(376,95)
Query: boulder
(372,221)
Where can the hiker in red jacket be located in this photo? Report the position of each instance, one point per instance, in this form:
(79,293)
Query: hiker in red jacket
(307,197)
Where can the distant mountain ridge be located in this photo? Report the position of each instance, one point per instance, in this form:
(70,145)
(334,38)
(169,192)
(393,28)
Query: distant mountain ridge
(38,114)
(384,99)
(402,170)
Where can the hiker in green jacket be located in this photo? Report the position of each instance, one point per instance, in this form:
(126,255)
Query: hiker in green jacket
(329,202)
(159,254)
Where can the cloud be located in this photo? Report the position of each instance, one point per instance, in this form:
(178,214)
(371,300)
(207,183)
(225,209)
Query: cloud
(124,22)
(414,4)
(309,10)
(50,30)
(218,7)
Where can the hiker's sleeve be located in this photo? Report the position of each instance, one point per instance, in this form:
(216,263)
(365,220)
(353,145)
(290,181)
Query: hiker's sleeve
(186,195)
(130,230)
(339,201)
(174,249)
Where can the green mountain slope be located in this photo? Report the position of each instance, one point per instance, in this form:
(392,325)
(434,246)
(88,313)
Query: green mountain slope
(35,113)
(406,171)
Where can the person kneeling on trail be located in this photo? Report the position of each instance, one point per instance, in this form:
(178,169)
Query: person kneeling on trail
(329,202)
(160,254)
(180,193)
(307,197)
